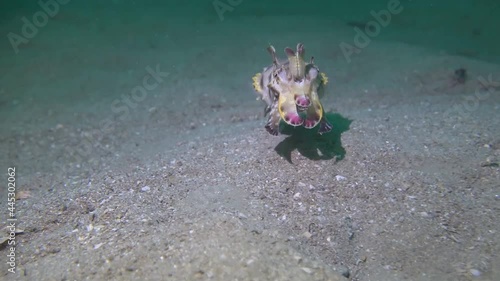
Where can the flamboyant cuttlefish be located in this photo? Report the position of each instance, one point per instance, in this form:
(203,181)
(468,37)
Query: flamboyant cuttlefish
(291,91)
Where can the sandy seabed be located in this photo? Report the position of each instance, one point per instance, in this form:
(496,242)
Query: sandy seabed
(182,182)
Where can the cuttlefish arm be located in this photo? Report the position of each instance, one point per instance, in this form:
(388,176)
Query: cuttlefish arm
(297,65)
(315,112)
(273,122)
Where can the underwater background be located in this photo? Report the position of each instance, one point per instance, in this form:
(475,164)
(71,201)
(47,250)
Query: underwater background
(140,152)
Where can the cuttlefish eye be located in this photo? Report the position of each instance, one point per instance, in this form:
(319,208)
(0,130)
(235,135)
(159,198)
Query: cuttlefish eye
(312,73)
